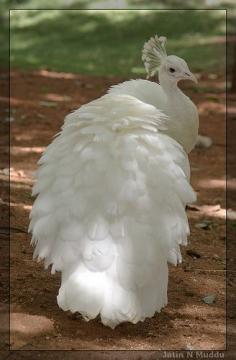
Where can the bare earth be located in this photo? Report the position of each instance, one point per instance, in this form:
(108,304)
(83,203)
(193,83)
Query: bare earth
(39,102)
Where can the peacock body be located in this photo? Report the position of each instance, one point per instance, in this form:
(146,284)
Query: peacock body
(111,191)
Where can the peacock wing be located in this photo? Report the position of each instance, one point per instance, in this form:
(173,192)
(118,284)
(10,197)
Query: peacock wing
(110,209)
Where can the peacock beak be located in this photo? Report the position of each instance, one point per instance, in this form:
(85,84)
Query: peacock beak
(190,76)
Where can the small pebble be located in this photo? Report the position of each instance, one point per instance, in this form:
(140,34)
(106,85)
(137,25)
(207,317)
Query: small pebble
(152,334)
(189,347)
(9,119)
(209,299)
(212,76)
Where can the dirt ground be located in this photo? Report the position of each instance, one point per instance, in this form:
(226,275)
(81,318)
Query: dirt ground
(39,102)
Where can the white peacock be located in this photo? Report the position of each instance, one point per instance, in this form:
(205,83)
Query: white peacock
(111,194)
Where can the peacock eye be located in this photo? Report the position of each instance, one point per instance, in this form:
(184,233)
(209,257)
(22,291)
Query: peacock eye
(172,70)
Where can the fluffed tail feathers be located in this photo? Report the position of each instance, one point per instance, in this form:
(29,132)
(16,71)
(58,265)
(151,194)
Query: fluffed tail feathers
(110,210)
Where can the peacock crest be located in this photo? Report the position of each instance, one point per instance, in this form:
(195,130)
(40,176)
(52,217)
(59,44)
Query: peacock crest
(153,54)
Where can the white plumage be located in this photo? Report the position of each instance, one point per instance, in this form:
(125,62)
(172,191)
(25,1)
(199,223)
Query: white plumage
(111,194)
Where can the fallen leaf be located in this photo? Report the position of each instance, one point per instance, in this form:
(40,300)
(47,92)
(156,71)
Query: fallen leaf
(202,225)
(193,253)
(211,208)
(193,207)
(39,115)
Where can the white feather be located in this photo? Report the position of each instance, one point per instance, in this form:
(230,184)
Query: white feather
(110,213)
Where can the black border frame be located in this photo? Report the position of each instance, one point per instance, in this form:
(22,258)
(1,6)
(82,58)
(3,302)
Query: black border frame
(8,353)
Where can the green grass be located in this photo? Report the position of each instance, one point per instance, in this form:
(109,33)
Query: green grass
(110,42)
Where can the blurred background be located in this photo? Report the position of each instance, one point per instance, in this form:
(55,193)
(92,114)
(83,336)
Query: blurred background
(105,42)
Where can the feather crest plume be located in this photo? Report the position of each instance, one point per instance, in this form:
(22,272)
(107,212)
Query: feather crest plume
(153,54)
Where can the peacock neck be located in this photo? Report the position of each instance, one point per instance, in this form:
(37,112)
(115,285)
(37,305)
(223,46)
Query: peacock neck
(183,125)
(169,86)
(175,98)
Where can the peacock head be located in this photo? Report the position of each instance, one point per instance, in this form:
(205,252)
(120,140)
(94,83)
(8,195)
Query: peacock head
(156,59)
